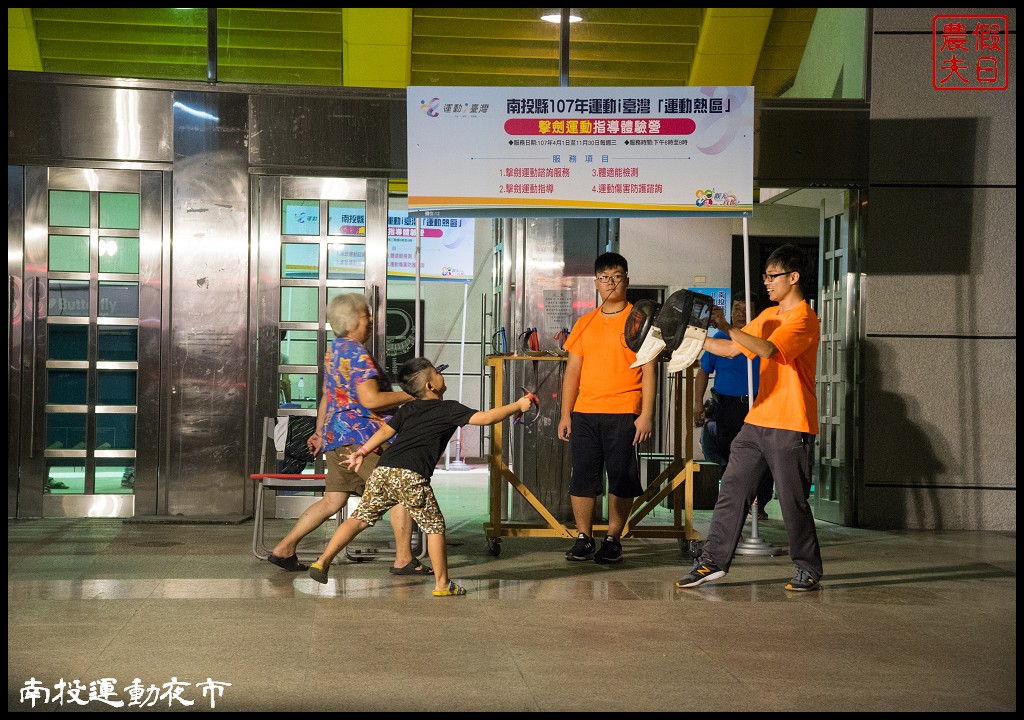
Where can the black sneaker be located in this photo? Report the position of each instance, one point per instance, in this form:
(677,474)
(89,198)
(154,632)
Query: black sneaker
(582,550)
(802,582)
(701,573)
(610,552)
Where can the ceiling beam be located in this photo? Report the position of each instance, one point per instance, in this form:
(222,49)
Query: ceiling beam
(730,46)
(22,47)
(377,47)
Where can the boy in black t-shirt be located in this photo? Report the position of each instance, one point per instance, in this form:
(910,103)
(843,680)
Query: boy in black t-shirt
(424,427)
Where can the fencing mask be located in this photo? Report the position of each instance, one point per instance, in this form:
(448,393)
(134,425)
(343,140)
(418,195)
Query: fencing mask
(675,331)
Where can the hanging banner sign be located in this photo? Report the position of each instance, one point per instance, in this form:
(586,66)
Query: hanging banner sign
(580,152)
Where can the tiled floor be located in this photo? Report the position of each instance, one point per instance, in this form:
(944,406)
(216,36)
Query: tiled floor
(904,621)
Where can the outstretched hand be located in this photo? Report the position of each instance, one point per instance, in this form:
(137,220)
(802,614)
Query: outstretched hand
(527,401)
(354,461)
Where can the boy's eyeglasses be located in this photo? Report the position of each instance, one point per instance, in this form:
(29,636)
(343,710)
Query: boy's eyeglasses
(771,276)
(615,279)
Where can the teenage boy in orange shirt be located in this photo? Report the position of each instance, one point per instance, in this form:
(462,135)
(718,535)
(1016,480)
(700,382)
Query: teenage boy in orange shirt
(607,410)
(777,432)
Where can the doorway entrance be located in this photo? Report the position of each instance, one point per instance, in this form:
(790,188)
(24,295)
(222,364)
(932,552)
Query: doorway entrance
(317,238)
(834,260)
(87,437)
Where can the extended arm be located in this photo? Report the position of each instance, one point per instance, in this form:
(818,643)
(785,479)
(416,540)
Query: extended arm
(496,415)
(315,443)
(371,397)
(737,340)
(355,459)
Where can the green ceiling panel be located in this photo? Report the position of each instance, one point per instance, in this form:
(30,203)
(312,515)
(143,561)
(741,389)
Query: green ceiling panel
(448,46)
(132,17)
(62,32)
(128,69)
(89,52)
(301,46)
(307,20)
(280,46)
(279,75)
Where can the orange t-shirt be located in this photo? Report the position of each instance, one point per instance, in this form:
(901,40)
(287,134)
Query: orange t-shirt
(785,398)
(607,382)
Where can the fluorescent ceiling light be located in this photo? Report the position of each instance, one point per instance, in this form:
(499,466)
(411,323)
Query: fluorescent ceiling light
(558,18)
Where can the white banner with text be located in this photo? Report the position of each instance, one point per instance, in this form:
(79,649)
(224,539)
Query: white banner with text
(580,152)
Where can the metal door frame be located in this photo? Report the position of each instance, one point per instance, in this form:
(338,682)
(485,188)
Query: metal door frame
(266,282)
(29,348)
(15,316)
(837,469)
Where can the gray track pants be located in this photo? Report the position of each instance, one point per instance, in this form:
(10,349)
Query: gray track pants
(785,452)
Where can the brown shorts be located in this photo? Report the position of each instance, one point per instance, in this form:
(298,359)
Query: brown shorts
(340,478)
(390,486)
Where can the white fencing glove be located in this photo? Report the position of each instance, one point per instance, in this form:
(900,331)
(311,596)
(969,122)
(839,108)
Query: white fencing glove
(689,349)
(652,347)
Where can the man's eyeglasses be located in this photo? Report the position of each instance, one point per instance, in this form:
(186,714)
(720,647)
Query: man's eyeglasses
(771,276)
(614,279)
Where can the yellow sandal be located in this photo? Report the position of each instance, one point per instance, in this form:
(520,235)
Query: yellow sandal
(453,589)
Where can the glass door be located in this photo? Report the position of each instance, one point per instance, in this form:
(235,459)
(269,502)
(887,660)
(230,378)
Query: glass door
(837,466)
(319,237)
(91,319)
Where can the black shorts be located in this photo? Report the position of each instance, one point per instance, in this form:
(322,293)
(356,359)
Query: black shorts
(604,442)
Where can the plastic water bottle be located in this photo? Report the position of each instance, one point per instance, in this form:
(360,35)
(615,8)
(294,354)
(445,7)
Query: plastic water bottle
(302,388)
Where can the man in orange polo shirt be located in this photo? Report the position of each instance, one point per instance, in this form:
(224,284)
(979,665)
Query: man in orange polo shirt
(777,432)
(607,410)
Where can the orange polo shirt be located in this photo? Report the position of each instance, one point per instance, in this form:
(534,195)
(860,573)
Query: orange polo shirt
(786,399)
(607,382)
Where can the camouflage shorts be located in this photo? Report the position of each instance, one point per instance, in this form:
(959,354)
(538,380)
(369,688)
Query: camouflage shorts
(388,486)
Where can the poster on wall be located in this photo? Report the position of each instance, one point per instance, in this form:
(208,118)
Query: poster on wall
(558,314)
(446,247)
(580,151)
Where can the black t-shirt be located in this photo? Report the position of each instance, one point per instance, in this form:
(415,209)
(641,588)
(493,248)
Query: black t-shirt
(424,428)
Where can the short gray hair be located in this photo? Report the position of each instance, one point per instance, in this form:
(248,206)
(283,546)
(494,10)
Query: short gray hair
(343,312)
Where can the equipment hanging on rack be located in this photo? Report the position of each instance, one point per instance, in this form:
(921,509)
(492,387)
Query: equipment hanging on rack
(561,336)
(674,332)
(528,341)
(499,343)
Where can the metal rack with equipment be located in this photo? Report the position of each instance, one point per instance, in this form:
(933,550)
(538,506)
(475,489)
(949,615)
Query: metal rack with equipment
(676,479)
